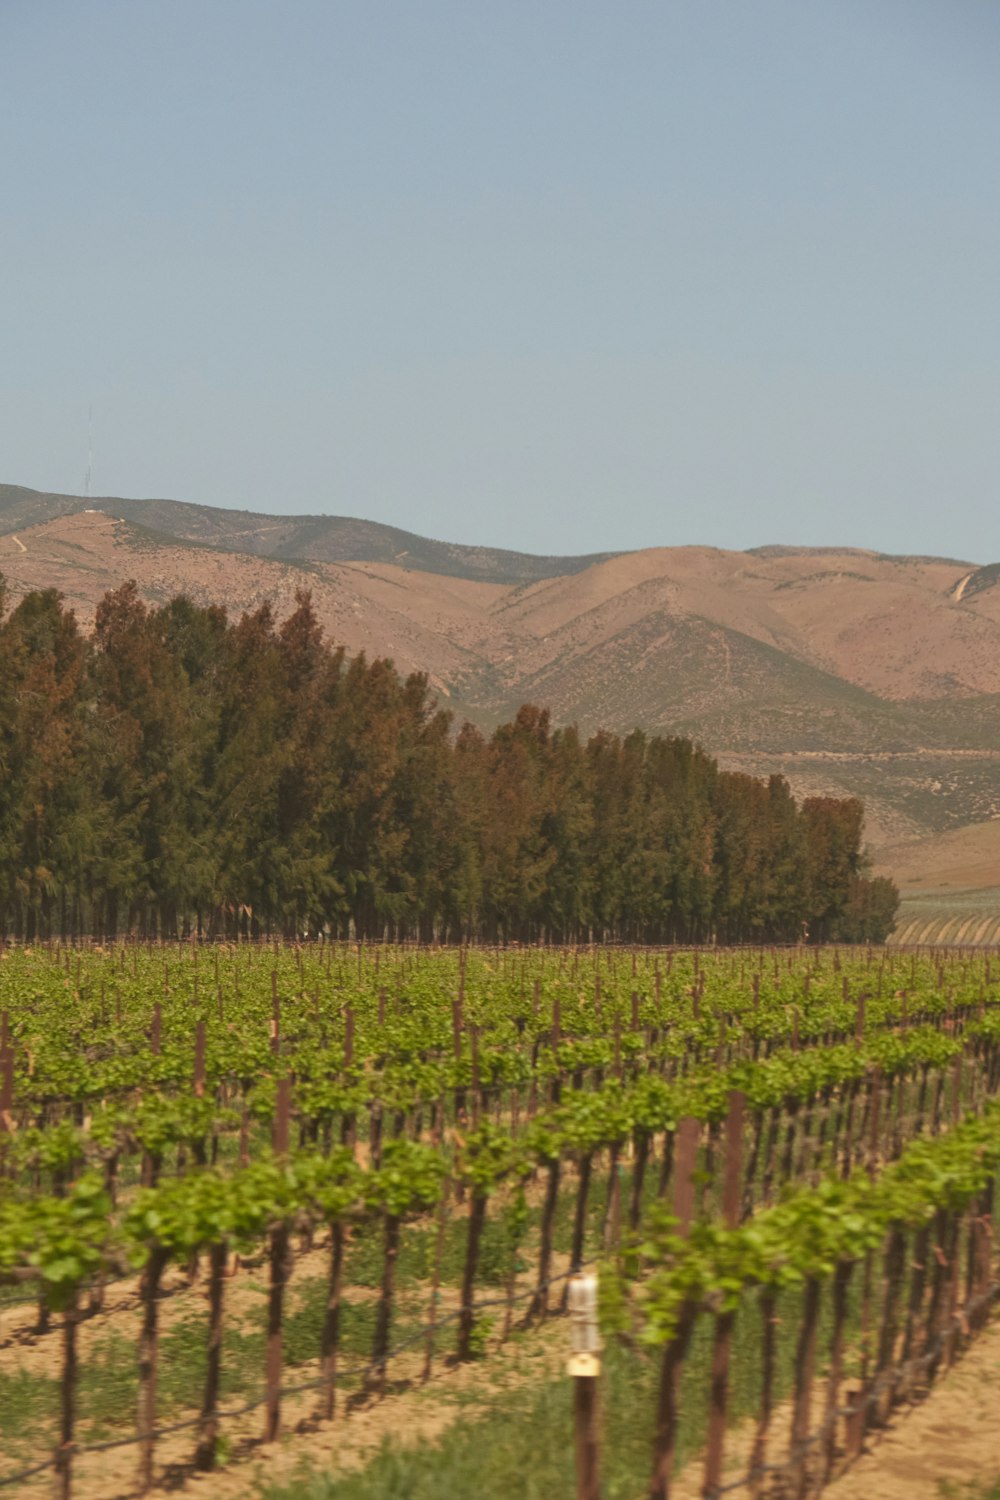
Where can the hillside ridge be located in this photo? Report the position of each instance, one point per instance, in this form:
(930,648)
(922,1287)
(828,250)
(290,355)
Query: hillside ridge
(294,538)
(849,671)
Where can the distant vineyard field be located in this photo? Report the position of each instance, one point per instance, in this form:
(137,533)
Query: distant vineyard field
(965,918)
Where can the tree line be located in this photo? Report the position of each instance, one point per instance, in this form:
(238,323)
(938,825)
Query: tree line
(178,772)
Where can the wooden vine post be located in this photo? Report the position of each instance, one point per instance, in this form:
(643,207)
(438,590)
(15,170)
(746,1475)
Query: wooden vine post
(586,1166)
(275,1014)
(540,1302)
(933,1329)
(668,1399)
(278,1256)
(758,1454)
(383,1317)
(956,1091)
(912,1336)
(331,1322)
(150,1160)
(209,1433)
(148,1359)
(199,1060)
(584,1369)
(67,1400)
(6,1085)
(457,1023)
(556,1093)
(894,1268)
(731,1205)
(467,1312)
(841,1283)
(805,1362)
(983,1242)
(432,1312)
(477,1096)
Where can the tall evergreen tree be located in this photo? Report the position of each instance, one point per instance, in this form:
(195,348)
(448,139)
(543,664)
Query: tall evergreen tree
(180,772)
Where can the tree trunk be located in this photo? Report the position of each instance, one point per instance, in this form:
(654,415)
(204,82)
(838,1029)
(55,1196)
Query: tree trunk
(205,1453)
(540,1301)
(275,1305)
(331,1323)
(466,1317)
(383,1321)
(67,1401)
(668,1405)
(148,1352)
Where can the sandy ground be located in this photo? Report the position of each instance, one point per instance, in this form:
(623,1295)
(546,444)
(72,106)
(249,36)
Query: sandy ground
(951,1439)
(931,1449)
(409,1408)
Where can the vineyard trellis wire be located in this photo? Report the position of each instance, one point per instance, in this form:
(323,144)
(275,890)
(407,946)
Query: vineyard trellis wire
(357,1370)
(801,1448)
(531,1069)
(869,1402)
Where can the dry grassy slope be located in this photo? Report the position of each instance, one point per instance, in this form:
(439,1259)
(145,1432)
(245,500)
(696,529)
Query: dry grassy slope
(419,620)
(848,671)
(950,886)
(964,859)
(311,538)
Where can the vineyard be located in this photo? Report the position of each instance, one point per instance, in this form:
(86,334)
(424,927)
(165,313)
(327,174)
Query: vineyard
(352,1166)
(957,919)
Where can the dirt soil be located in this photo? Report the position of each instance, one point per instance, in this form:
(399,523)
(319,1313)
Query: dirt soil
(948,1441)
(931,1449)
(408,1410)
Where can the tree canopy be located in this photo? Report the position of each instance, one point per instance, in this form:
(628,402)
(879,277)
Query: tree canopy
(178,771)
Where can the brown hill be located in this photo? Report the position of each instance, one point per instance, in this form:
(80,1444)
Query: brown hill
(966,859)
(296,538)
(849,671)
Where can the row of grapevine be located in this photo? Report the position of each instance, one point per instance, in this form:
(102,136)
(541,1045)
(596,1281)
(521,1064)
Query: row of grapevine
(919,1232)
(262,1103)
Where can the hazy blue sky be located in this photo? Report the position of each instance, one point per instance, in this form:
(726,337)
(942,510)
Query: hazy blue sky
(558,276)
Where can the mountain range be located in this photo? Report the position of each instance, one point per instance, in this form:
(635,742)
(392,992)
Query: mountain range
(849,671)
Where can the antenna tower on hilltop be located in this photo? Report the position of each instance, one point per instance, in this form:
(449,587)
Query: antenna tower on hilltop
(90,452)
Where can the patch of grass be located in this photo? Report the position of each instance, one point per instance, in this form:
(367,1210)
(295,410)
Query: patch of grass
(518,1439)
(28,1404)
(303,1324)
(181,1371)
(417,1247)
(183,1361)
(109,1384)
(507,1452)
(183,1349)
(499,1245)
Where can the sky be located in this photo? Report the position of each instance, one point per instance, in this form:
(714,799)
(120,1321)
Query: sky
(555,275)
